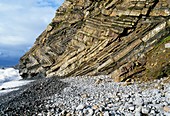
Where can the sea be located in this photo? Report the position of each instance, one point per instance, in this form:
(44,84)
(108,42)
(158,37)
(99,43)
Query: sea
(10,80)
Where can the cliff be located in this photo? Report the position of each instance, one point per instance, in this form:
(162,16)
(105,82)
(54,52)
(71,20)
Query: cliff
(122,38)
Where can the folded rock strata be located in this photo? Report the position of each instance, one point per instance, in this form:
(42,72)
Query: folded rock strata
(101,37)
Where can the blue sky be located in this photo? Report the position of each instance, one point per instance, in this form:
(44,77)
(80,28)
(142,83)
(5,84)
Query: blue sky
(21,22)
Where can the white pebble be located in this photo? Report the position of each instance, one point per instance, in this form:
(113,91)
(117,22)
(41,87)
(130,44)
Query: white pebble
(106,113)
(145,110)
(80,107)
(132,108)
(90,112)
(167,45)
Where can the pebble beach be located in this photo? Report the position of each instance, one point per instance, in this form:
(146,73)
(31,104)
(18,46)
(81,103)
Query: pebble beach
(88,96)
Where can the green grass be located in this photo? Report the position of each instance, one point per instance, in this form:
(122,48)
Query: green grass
(165,40)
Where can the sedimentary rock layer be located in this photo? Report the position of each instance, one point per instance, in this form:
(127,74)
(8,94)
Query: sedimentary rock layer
(108,37)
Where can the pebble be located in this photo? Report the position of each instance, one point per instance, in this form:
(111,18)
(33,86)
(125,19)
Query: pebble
(90,112)
(167,94)
(138,111)
(68,114)
(114,99)
(40,114)
(152,112)
(117,99)
(128,114)
(49,114)
(106,113)
(95,107)
(132,108)
(138,114)
(110,105)
(80,107)
(139,101)
(83,97)
(167,45)
(145,110)
(166,109)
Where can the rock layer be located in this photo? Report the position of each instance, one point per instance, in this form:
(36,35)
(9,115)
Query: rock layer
(108,37)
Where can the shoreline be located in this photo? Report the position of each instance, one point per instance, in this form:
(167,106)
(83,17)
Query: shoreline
(84,95)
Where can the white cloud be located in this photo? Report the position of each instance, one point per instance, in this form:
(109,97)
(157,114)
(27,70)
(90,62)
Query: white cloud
(21,21)
(12,40)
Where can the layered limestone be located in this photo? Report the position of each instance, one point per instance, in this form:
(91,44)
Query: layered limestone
(101,37)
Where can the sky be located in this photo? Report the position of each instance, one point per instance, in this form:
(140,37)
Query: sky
(21,22)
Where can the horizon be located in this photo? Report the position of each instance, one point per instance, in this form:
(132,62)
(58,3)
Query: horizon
(21,23)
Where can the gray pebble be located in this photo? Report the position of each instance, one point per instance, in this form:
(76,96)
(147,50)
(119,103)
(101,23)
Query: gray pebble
(106,113)
(128,114)
(138,114)
(110,105)
(85,111)
(110,98)
(152,112)
(132,108)
(90,112)
(139,101)
(145,110)
(40,114)
(138,111)
(80,107)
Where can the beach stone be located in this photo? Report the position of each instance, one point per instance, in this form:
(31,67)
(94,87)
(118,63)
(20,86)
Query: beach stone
(138,111)
(2,89)
(101,108)
(80,107)
(98,81)
(99,102)
(117,98)
(85,111)
(95,107)
(131,108)
(90,112)
(167,45)
(167,94)
(126,95)
(155,101)
(63,112)
(164,103)
(167,114)
(166,108)
(139,101)
(40,114)
(128,114)
(85,95)
(49,114)
(110,105)
(152,112)
(131,100)
(138,114)
(106,113)
(145,110)
(80,113)
(68,114)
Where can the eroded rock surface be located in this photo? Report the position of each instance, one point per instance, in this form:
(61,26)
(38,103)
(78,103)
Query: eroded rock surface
(108,37)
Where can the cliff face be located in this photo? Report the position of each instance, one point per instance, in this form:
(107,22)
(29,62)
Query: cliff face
(116,37)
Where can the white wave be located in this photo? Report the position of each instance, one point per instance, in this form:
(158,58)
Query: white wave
(10,80)
(13,84)
(9,74)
